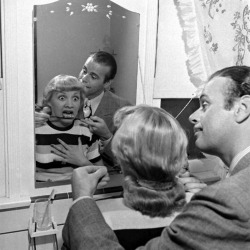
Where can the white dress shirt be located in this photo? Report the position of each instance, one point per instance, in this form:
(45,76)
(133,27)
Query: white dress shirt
(95,102)
(236,160)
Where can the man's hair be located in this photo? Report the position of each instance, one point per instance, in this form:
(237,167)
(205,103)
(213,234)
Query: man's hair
(62,83)
(238,87)
(150,146)
(106,59)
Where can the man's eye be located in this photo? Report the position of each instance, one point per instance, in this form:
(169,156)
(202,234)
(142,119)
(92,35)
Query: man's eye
(82,74)
(94,77)
(204,105)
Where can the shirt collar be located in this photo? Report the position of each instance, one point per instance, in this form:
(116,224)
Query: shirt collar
(236,159)
(95,102)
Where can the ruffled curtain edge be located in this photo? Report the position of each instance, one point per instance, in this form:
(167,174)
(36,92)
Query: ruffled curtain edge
(188,21)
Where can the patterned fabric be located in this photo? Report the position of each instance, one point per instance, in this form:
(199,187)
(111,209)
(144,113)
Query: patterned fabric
(216,34)
(48,134)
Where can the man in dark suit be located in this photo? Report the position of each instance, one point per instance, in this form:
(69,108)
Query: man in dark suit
(217,217)
(96,75)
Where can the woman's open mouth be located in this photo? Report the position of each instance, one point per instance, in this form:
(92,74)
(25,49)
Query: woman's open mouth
(68,115)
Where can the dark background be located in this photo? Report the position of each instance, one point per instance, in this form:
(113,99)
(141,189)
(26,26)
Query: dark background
(174,106)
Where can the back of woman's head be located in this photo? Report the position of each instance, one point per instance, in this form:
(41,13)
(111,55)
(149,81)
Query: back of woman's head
(150,147)
(62,83)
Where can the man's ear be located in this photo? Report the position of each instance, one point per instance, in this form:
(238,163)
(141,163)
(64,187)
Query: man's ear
(242,109)
(107,85)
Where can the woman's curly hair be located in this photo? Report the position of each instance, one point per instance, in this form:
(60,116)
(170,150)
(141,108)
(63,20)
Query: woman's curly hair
(150,146)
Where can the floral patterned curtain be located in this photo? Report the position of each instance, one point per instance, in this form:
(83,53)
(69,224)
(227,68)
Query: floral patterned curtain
(216,34)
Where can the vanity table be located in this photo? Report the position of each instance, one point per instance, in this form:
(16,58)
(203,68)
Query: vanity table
(131,227)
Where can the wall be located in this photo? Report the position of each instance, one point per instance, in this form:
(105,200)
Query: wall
(172,79)
(2,139)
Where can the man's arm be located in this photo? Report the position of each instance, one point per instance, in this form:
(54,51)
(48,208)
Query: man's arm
(98,126)
(42,116)
(205,223)
(85,228)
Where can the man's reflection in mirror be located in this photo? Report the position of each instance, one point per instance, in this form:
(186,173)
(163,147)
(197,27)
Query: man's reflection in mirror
(96,76)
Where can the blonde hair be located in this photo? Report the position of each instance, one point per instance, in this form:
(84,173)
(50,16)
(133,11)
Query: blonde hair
(62,83)
(150,146)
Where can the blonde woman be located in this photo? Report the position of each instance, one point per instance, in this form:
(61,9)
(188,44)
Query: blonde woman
(63,143)
(150,146)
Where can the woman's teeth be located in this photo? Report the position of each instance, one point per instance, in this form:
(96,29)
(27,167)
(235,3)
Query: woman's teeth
(68,115)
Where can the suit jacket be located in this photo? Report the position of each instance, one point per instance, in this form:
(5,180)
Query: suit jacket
(109,104)
(106,109)
(217,217)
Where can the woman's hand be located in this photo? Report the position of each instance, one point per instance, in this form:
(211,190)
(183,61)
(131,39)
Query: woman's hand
(71,154)
(190,183)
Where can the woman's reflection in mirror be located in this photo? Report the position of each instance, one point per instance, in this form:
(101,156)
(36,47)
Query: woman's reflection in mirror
(64,142)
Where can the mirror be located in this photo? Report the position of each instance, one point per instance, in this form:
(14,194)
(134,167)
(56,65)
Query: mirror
(67,32)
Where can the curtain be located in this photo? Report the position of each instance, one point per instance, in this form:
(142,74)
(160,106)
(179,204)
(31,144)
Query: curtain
(216,35)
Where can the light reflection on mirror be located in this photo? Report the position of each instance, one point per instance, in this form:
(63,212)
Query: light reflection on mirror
(67,32)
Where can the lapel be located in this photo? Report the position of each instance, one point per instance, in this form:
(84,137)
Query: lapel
(104,105)
(242,164)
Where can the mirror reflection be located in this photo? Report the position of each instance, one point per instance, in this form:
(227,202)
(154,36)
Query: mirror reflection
(81,47)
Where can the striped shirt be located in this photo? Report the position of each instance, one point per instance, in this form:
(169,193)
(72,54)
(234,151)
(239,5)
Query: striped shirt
(49,134)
